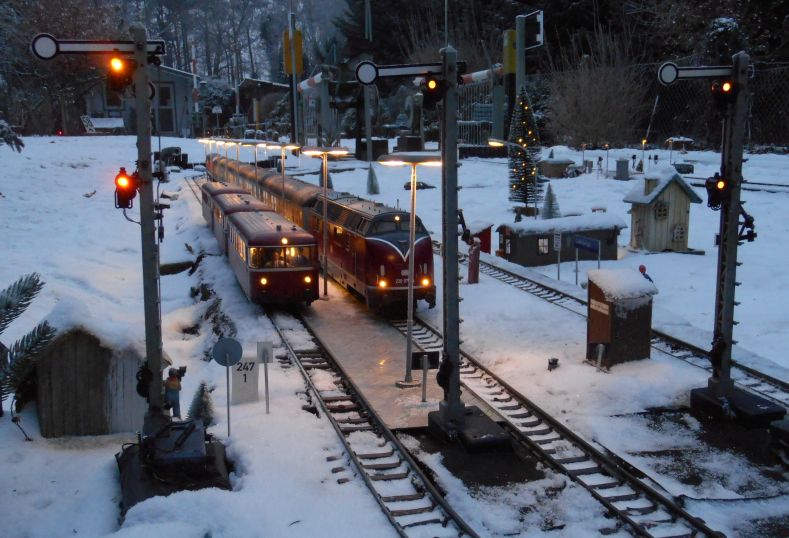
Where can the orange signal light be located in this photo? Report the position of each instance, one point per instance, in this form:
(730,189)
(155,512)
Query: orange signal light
(720,185)
(117,65)
(432,84)
(122,181)
(726,87)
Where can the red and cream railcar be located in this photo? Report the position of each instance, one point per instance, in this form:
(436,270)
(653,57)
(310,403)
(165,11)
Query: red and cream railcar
(274,260)
(229,204)
(208,190)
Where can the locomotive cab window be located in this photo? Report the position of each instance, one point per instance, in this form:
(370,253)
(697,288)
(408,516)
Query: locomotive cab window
(396,223)
(281,257)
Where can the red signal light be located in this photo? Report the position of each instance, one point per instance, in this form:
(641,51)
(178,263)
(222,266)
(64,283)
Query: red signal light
(122,181)
(117,65)
(120,73)
(125,189)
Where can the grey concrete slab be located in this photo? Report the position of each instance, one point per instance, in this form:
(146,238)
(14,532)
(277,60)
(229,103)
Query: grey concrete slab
(372,352)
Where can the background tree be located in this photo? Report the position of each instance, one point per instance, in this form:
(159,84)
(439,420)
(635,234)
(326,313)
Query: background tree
(9,137)
(595,94)
(202,406)
(524,185)
(550,209)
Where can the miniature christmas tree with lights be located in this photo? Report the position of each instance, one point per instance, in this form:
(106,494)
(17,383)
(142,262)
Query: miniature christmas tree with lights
(524,154)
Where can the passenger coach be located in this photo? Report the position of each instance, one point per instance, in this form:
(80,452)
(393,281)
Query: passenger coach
(274,260)
(368,241)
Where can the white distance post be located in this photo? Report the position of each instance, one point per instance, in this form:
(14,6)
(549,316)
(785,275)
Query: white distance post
(266,356)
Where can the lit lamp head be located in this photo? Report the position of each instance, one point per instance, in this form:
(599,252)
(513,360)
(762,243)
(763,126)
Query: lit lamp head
(415,158)
(316,151)
(496,143)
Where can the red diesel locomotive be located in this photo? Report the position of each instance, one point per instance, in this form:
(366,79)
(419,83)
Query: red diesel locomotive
(368,245)
(275,261)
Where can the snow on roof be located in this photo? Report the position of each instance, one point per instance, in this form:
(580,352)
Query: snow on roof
(622,283)
(71,313)
(664,175)
(477,226)
(592,221)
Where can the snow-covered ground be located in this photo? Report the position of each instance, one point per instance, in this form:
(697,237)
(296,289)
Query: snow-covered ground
(88,255)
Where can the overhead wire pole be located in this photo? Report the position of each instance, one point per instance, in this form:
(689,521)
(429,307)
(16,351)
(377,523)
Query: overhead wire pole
(292,44)
(372,180)
(150,255)
(452,408)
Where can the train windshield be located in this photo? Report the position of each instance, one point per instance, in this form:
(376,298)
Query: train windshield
(281,257)
(397,223)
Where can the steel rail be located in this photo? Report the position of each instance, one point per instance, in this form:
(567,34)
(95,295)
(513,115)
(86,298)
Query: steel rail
(568,453)
(417,478)
(777,390)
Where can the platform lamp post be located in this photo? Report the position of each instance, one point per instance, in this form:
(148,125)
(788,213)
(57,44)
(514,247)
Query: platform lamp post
(254,156)
(419,158)
(323,153)
(643,162)
(284,149)
(220,144)
(496,143)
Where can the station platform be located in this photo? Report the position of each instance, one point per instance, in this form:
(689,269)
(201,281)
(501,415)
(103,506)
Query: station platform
(372,353)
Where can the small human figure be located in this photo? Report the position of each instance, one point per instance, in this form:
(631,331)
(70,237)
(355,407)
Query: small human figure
(442,376)
(633,158)
(655,158)
(643,270)
(600,163)
(172,392)
(473,260)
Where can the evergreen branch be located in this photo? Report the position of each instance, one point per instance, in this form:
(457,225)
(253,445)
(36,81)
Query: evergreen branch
(24,355)
(17,297)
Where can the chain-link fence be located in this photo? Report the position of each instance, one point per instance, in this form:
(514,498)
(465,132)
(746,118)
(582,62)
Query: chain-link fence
(475,113)
(686,108)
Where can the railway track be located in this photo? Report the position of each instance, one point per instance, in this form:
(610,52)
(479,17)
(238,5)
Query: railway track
(646,511)
(766,386)
(406,496)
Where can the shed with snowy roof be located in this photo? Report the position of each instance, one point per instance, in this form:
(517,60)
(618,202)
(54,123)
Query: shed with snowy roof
(619,320)
(86,387)
(531,242)
(660,211)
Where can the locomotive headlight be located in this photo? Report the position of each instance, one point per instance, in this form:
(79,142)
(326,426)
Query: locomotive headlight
(425,282)
(382,283)
(264,281)
(307,279)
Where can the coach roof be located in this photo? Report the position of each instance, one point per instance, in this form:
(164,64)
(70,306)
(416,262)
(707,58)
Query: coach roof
(267,230)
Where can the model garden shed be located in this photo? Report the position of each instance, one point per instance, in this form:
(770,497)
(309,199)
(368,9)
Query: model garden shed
(660,214)
(86,388)
(531,242)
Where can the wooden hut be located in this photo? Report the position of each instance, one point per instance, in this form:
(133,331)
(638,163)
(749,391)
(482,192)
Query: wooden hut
(660,214)
(86,388)
(531,242)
